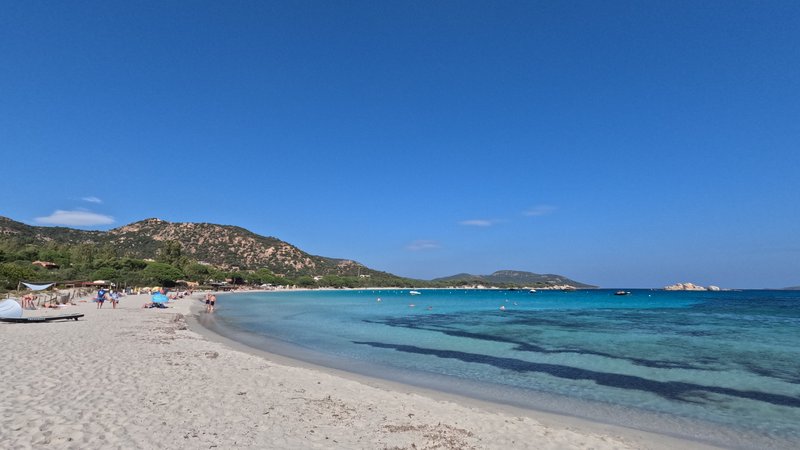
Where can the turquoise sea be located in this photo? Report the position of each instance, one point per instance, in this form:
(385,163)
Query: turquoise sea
(720,367)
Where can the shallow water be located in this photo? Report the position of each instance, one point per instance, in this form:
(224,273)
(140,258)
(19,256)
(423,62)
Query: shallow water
(715,366)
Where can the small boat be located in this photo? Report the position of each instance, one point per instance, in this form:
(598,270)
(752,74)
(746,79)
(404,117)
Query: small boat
(622,293)
(532,291)
(415,292)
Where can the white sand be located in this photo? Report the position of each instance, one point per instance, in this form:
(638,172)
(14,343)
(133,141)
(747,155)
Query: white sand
(139,378)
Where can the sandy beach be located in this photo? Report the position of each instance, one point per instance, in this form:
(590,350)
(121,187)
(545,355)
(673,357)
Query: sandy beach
(149,378)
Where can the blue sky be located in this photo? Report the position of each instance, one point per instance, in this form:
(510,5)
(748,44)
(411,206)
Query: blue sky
(622,144)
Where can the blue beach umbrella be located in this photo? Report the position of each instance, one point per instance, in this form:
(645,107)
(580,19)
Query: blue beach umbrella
(159,298)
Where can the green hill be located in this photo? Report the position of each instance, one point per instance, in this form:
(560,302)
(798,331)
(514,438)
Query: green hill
(227,248)
(514,278)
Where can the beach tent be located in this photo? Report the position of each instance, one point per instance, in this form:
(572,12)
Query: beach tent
(37,287)
(159,298)
(9,308)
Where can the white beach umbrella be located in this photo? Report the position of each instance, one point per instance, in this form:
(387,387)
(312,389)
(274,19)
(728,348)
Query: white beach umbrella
(10,308)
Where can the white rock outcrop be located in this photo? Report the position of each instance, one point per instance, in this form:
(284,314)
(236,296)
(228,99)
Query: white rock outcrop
(684,287)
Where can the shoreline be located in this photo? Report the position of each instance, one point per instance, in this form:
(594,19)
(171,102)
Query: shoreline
(151,378)
(641,438)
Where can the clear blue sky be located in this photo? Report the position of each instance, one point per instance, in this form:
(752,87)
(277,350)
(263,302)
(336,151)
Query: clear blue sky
(622,144)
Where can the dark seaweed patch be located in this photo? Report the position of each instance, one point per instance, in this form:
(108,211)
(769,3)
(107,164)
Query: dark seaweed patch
(672,390)
(527,347)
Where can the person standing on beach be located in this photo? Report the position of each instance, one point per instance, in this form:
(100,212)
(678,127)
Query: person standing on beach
(211,299)
(114,299)
(101,297)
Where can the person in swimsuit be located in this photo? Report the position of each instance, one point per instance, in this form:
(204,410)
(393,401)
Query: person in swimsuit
(27,302)
(211,299)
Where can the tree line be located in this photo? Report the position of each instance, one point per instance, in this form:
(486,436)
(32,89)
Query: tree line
(88,262)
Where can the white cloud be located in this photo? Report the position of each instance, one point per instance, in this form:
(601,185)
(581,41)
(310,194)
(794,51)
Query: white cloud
(75,218)
(420,245)
(541,210)
(478,222)
(92,199)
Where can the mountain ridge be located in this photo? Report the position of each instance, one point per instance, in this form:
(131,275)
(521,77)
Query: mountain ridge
(231,247)
(224,246)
